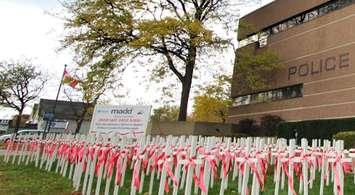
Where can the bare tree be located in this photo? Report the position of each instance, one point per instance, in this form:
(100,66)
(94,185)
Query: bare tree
(20,83)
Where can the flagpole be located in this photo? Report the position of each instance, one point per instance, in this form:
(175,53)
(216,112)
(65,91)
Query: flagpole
(56,99)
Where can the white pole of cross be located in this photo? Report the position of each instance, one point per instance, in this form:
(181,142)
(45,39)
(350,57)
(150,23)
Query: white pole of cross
(190,169)
(137,165)
(113,153)
(224,182)
(207,170)
(240,176)
(291,153)
(278,166)
(92,171)
(255,183)
(104,150)
(304,144)
(324,171)
(167,152)
(246,168)
(90,147)
(314,163)
(147,142)
(177,171)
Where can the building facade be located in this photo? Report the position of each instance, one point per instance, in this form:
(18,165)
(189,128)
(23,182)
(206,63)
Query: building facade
(66,116)
(315,43)
(4,125)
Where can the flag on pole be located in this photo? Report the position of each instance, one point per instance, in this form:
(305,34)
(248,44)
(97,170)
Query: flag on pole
(69,80)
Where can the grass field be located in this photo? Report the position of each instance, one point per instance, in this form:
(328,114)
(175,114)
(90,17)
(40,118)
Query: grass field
(28,180)
(268,188)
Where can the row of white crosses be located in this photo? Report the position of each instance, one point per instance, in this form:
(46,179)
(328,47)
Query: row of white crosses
(185,165)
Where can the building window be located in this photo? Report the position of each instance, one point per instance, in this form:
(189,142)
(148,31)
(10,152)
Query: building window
(296,20)
(284,93)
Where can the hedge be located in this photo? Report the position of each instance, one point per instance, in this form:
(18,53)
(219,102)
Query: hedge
(348,137)
(315,129)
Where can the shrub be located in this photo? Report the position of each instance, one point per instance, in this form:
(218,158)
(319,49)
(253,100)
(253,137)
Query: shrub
(269,124)
(239,135)
(315,129)
(348,137)
(248,126)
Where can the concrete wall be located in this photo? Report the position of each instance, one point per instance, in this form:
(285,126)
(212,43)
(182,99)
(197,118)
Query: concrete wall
(322,52)
(213,129)
(190,128)
(172,128)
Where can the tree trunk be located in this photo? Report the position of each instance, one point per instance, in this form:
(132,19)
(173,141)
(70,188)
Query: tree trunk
(185,93)
(81,118)
(78,125)
(18,120)
(186,82)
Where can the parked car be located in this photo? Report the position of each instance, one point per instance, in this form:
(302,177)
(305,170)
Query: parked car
(2,131)
(6,137)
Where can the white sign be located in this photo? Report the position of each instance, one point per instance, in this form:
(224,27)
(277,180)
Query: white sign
(120,119)
(59,124)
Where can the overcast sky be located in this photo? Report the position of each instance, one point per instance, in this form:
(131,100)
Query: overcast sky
(28,31)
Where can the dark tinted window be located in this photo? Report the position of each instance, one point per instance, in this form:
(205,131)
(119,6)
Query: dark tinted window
(288,92)
(298,19)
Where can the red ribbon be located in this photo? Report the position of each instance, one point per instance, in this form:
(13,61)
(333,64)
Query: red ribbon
(102,156)
(111,163)
(118,176)
(170,173)
(290,178)
(199,180)
(135,179)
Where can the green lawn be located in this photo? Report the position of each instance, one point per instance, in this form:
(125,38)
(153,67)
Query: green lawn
(268,189)
(30,180)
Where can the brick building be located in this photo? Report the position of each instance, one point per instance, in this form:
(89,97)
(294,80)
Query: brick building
(315,42)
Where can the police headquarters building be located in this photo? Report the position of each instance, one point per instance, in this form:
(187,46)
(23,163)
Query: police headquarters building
(315,42)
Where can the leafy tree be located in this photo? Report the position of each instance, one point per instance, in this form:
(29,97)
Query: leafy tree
(214,100)
(254,69)
(92,86)
(20,83)
(175,30)
(210,109)
(165,114)
(254,66)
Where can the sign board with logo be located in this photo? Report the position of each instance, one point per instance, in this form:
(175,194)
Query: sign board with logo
(120,119)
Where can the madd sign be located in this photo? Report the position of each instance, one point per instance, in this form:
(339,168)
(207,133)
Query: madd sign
(120,119)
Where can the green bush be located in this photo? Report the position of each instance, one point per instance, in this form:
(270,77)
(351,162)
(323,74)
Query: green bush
(348,137)
(269,124)
(316,129)
(249,126)
(239,135)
